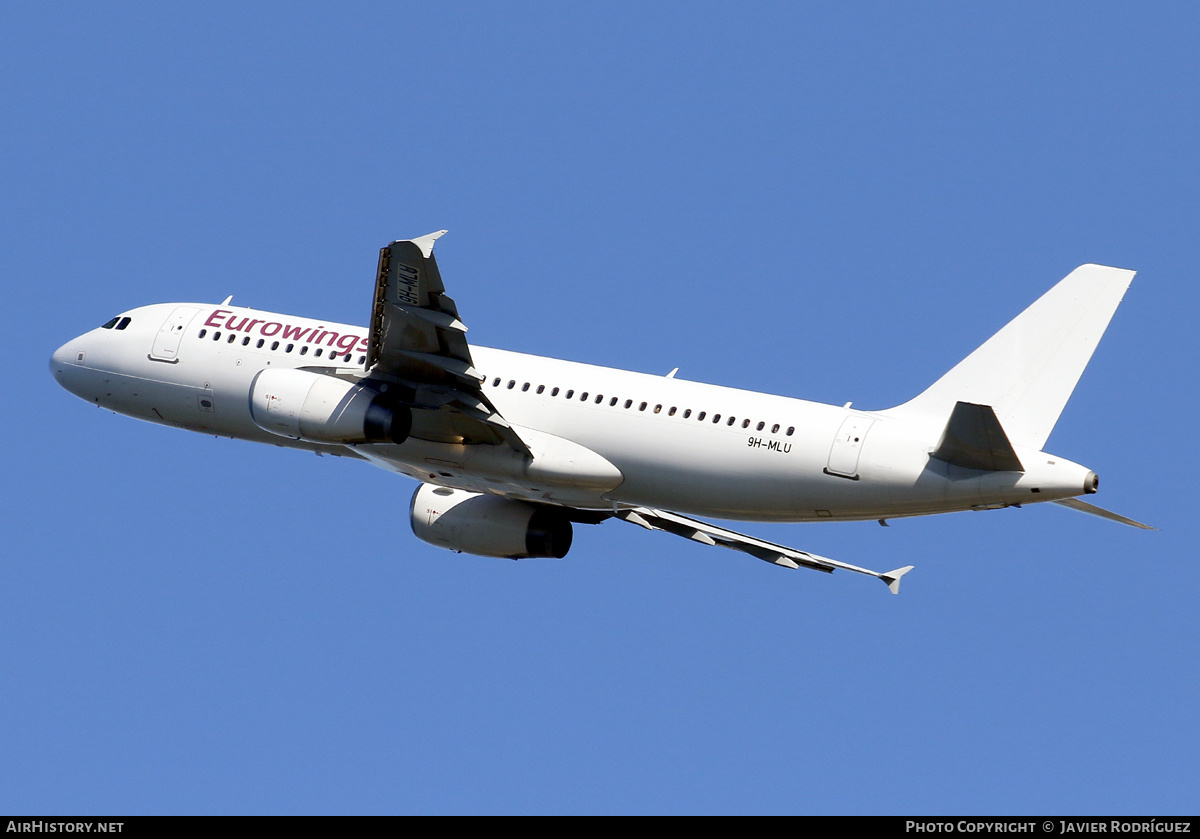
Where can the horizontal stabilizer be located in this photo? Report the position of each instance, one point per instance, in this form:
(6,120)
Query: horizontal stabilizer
(974,439)
(1093,510)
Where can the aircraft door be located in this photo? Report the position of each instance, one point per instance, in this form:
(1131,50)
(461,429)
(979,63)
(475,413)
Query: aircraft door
(166,342)
(847,446)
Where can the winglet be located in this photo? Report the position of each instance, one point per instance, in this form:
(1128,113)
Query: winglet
(425,243)
(892,578)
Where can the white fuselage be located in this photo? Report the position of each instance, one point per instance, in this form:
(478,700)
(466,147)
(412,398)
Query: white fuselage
(679,445)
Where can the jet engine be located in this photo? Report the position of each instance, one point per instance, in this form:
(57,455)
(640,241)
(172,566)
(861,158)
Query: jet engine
(325,409)
(488,525)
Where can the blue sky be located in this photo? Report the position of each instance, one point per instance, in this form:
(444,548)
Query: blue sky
(829,203)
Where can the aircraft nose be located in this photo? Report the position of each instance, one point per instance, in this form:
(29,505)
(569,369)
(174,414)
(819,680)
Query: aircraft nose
(59,360)
(65,365)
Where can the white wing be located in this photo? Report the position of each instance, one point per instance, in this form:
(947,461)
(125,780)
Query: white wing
(708,534)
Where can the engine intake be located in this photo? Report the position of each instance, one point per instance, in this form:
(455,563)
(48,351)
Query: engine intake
(488,525)
(325,409)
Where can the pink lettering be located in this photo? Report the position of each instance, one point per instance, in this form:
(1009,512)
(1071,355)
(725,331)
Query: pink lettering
(346,342)
(266,326)
(332,336)
(214,320)
(294,333)
(236,327)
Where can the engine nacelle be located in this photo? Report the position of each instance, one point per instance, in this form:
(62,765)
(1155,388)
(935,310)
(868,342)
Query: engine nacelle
(488,525)
(325,409)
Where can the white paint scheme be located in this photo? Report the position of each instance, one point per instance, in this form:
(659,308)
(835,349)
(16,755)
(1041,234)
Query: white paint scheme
(839,463)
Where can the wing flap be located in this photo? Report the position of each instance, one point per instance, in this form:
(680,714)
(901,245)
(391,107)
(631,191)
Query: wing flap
(440,319)
(461,370)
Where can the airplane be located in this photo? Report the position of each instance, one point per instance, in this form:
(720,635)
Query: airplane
(510,450)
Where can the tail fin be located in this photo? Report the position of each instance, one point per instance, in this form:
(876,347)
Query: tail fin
(1027,371)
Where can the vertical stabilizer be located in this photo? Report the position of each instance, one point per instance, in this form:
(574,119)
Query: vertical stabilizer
(1027,371)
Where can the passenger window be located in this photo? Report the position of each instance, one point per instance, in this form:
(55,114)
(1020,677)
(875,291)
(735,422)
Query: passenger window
(216,336)
(512,383)
(700,417)
(362,359)
(583,396)
(761,426)
(570,394)
(642,407)
(554,392)
(658,409)
(716,418)
(599,398)
(246,343)
(671,412)
(109,325)
(124,322)
(495,382)
(791,430)
(318,353)
(612,402)
(274,345)
(687,413)
(628,403)
(232,337)
(113,323)
(260,343)
(732,420)
(775,428)
(304,350)
(745,423)
(525,388)
(290,347)
(541,388)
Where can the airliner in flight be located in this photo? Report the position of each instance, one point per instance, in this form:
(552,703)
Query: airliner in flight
(512,449)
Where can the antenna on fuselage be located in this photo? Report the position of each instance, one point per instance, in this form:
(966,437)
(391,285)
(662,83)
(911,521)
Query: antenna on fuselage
(225,302)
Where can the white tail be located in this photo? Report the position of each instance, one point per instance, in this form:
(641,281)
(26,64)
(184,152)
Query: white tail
(1027,371)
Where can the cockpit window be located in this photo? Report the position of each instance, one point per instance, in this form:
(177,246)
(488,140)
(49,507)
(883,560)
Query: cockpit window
(111,323)
(124,322)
